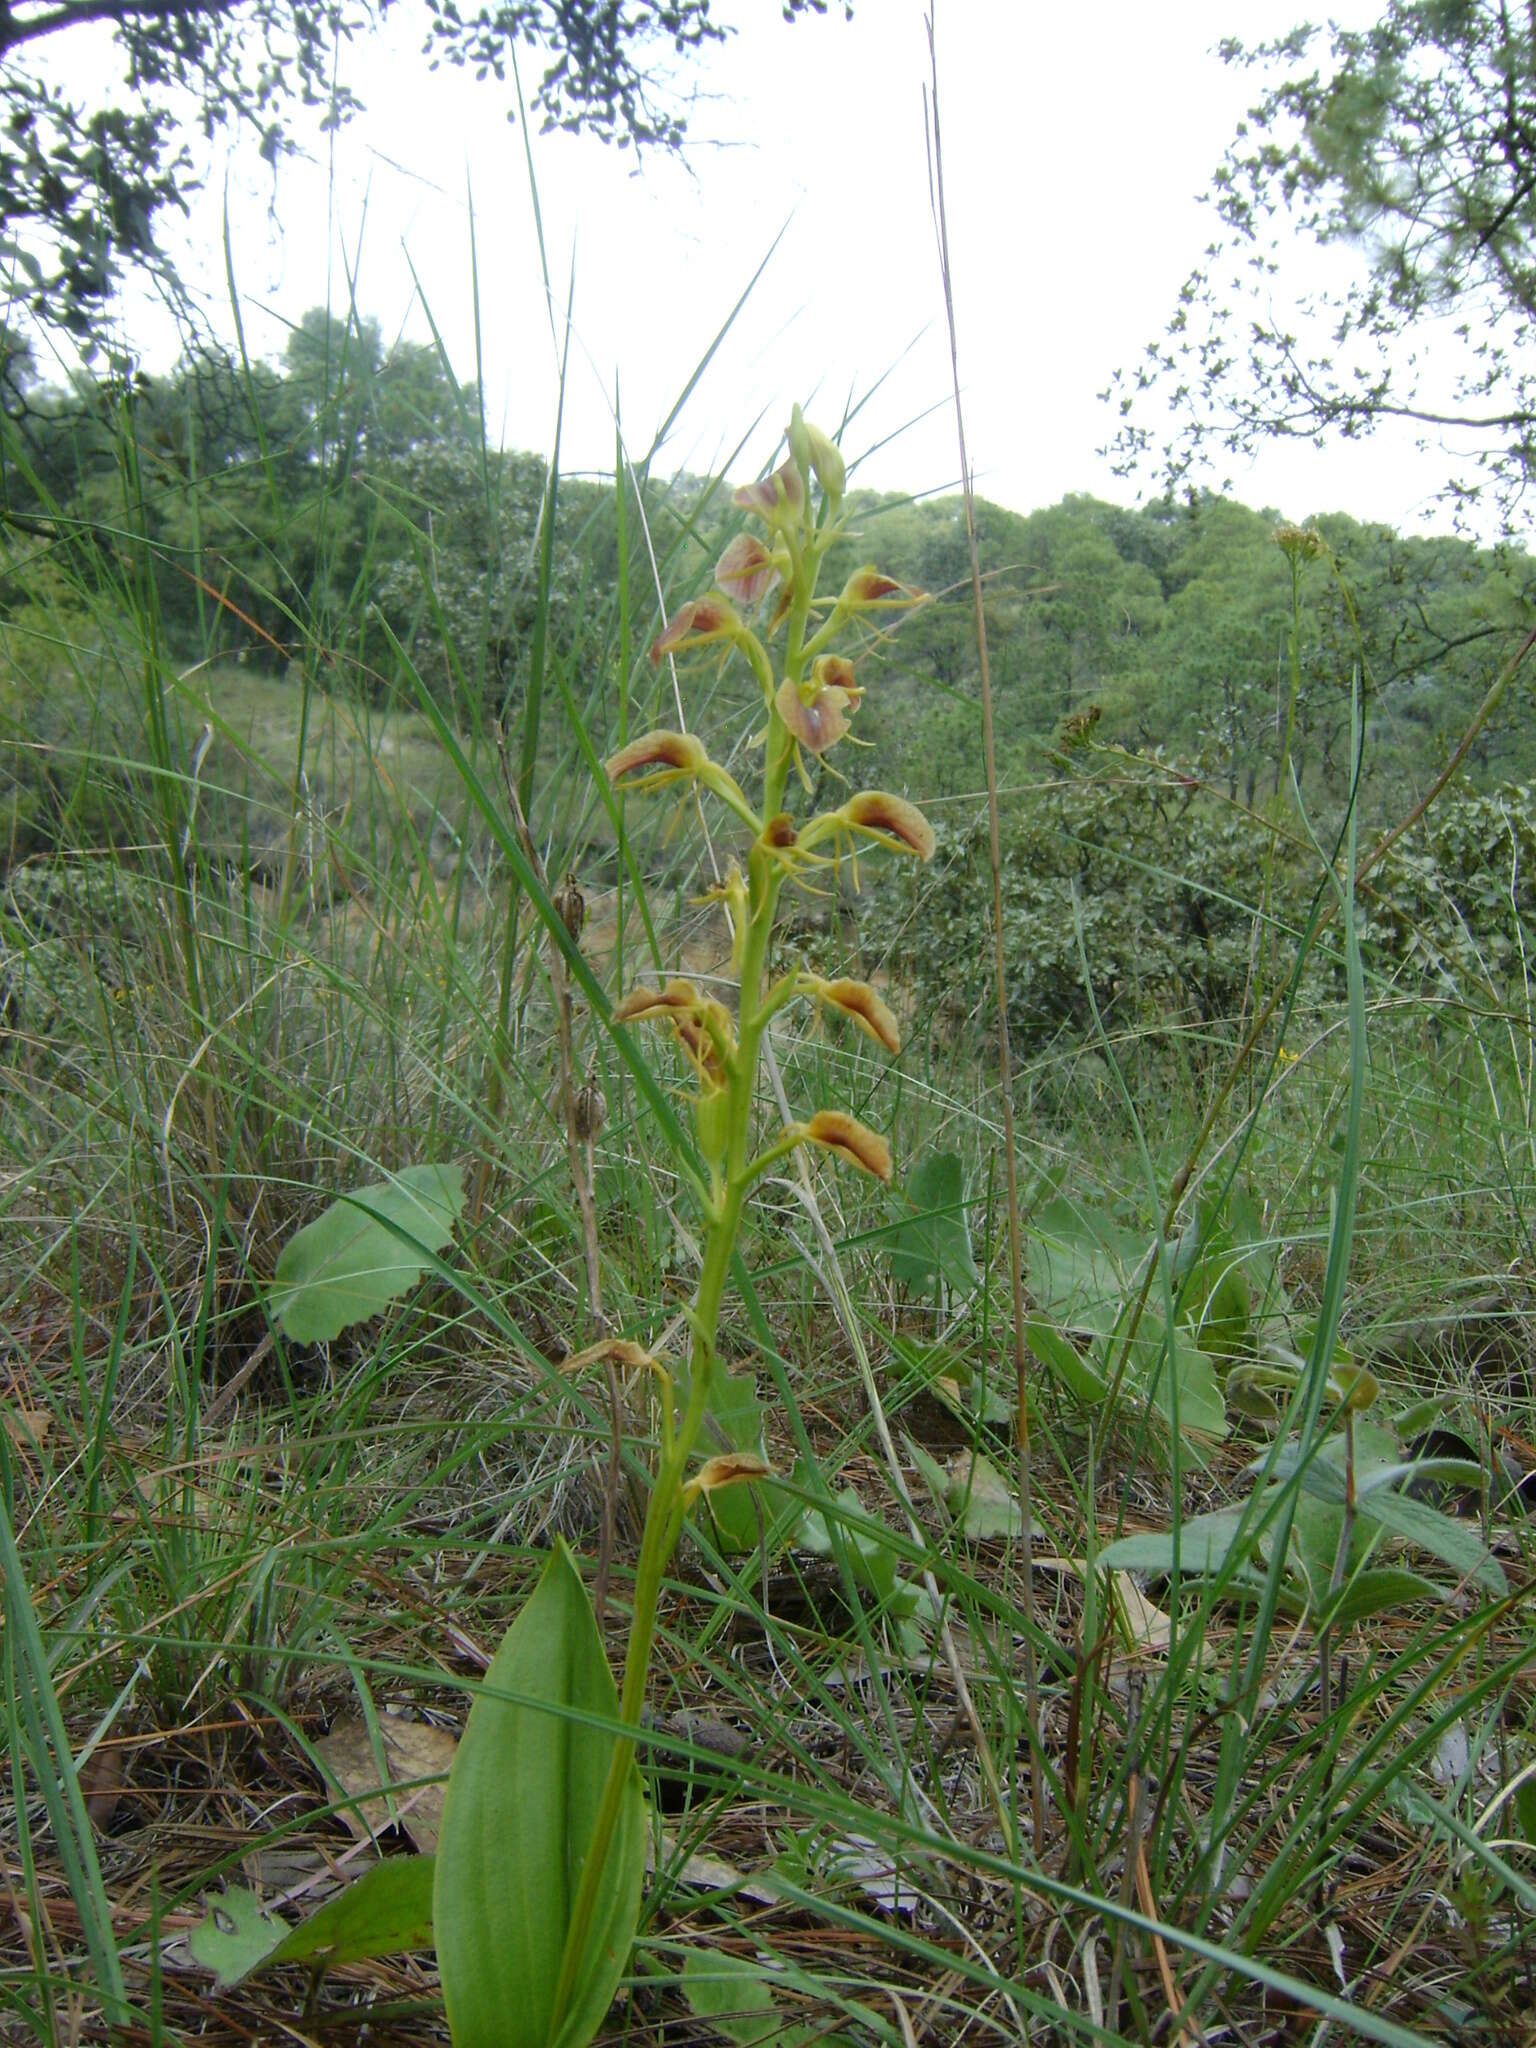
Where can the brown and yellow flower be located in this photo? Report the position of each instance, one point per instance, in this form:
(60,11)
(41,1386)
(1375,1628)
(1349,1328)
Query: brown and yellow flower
(695,624)
(778,499)
(875,814)
(703,1026)
(729,1468)
(662,757)
(747,571)
(835,1131)
(868,589)
(856,999)
(816,712)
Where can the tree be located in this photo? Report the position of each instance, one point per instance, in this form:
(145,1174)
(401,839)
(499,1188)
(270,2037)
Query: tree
(83,188)
(1413,142)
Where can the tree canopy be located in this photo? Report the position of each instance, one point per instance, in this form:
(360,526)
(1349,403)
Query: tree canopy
(83,187)
(1413,142)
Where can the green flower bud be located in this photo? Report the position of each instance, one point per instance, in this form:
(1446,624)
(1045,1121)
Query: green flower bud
(712,1124)
(831,470)
(800,444)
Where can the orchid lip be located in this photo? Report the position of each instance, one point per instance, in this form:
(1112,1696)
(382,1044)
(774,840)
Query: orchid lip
(838,1132)
(677,752)
(677,1000)
(875,811)
(870,586)
(856,999)
(817,725)
(702,618)
(747,570)
(728,1468)
(609,1351)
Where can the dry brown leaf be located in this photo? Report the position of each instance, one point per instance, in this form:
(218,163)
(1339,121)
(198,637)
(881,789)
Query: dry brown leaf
(27,1426)
(101,1783)
(711,1874)
(412,1750)
(1143,1626)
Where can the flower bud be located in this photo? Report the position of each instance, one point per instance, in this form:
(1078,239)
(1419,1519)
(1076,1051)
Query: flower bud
(827,461)
(799,438)
(712,1124)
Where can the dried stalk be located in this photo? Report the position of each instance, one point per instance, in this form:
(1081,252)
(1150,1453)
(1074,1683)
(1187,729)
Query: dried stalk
(1004,1051)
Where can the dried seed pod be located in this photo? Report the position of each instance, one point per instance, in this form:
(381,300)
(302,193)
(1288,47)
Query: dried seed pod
(571,904)
(591,1111)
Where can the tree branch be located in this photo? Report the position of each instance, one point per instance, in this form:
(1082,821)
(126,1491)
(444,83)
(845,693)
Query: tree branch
(75,13)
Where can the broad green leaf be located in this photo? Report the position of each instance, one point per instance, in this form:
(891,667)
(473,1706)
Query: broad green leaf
(385,1912)
(364,1252)
(872,1561)
(1420,1416)
(1252,1390)
(1084,1269)
(934,1241)
(1205,1543)
(1202,1410)
(1215,1297)
(522,1804)
(732,1996)
(1382,1587)
(1316,1526)
(1454,1543)
(1377,1502)
(979,1494)
(236,1937)
(1056,1351)
(733,1514)
(1082,1265)
(934,1477)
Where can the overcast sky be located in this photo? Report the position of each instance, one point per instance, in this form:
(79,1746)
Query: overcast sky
(1076,145)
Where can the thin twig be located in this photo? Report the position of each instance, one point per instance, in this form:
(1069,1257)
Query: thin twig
(1004,1052)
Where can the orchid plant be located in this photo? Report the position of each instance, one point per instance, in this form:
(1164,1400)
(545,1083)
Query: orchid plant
(540,1858)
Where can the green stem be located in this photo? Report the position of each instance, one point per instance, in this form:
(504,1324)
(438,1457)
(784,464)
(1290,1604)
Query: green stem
(664,1516)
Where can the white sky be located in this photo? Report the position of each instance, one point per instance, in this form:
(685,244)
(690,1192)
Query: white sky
(1076,143)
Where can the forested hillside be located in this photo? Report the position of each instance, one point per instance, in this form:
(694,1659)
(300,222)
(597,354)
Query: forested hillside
(340,510)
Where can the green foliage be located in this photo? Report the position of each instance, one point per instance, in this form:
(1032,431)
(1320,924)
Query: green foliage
(523,1800)
(735,1997)
(387,1911)
(1227,1543)
(933,1241)
(1086,1271)
(1151,866)
(1410,138)
(736,1417)
(363,1253)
